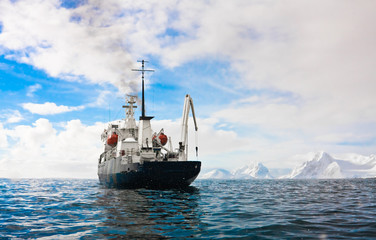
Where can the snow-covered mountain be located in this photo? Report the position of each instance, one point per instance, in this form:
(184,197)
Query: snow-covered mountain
(325,166)
(253,170)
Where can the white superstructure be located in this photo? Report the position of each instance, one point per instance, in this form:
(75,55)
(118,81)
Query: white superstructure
(131,143)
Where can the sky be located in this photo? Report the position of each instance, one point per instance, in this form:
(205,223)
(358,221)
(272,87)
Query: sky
(271,81)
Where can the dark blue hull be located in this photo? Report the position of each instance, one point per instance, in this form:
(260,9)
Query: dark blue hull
(155,175)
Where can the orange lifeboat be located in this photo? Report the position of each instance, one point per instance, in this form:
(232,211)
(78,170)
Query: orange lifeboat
(112,140)
(162,138)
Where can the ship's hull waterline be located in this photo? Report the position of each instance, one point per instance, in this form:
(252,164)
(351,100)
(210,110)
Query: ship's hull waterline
(153,175)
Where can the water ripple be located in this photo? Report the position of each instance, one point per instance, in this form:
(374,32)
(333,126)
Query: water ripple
(262,209)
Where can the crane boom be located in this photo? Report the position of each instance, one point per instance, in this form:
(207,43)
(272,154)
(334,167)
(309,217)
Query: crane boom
(183,144)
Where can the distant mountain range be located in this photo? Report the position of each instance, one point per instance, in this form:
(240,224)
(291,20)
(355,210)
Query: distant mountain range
(321,166)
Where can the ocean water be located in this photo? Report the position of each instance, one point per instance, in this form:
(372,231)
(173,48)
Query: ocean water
(209,209)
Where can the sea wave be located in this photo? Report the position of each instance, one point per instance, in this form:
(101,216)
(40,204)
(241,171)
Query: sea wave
(210,209)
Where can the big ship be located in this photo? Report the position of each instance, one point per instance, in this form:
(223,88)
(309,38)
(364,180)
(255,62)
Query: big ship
(136,157)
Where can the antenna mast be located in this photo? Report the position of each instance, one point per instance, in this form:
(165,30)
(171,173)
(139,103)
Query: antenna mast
(143,70)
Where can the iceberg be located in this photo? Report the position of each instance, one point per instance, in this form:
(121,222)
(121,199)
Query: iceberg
(254,170)
(324,166)
(320,165)
(217,173)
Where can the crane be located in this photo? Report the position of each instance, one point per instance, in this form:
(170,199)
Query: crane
(183,144)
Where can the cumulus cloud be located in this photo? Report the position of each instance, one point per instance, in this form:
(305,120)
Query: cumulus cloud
(40,150)
(49,108)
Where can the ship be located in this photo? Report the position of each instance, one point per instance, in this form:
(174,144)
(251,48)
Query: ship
(134,156)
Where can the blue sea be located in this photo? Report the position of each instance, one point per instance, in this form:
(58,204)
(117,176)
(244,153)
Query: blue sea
(209,209)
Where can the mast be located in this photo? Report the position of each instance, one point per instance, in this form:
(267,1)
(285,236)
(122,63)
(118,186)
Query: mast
(144,127)
(143,70)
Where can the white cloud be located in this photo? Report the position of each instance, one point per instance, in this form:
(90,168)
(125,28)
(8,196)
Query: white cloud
(32,89)
(11,116)
(49,108)
(41,150)
(92,48)
(322,51)
(290,128)
(316,59)
(310,49)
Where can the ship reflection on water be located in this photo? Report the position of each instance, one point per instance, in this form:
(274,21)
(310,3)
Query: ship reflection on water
(150,214)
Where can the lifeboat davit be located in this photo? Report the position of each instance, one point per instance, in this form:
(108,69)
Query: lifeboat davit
(112,140)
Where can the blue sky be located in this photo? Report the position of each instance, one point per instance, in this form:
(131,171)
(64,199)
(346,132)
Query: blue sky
(270,81)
